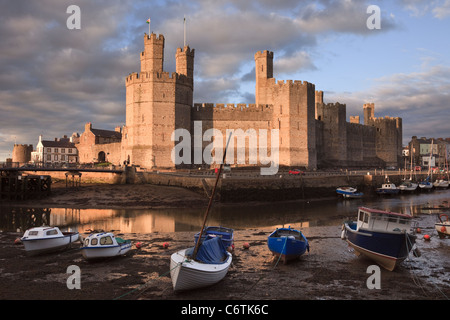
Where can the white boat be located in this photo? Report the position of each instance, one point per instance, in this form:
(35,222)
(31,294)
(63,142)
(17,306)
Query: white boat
(443,226)
(187,273)
(205,264)
(104,245)
(349,192)
(408,185)
(441,183)
(388,188)
(44,239)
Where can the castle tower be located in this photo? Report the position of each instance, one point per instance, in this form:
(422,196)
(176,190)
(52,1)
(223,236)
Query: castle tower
(185,62)
(152,58)
(369,112)
(263,71)
(157,103)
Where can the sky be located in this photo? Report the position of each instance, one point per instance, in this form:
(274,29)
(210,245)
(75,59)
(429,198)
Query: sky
(54,79)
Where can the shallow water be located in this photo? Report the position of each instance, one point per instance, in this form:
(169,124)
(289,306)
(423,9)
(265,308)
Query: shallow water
(301,214)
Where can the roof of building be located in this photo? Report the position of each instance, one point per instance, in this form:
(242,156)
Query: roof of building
(106,133)
(61,143)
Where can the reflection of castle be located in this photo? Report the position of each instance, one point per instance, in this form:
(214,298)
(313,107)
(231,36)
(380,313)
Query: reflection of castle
(311,133)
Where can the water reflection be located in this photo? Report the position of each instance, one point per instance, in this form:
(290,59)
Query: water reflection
(296,214)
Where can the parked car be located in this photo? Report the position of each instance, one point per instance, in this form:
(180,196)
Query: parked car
(435,169)
(417,168)
(297,171)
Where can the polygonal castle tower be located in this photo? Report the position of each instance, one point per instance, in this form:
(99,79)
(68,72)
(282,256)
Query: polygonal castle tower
(293,112)
(156,104)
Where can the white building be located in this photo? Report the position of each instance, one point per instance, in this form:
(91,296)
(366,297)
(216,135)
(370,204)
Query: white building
(58,151)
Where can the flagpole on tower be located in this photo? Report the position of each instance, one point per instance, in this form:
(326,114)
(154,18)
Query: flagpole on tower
(148,21)
(184,31)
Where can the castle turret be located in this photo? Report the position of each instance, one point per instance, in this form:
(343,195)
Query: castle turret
(152,58)
(369,112)
(185,62)
(263,71)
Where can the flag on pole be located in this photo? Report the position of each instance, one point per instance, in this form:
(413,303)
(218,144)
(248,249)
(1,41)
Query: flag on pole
(148,20)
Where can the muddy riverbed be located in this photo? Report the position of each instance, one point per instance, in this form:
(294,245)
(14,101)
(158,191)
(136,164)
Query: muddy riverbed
(330,271)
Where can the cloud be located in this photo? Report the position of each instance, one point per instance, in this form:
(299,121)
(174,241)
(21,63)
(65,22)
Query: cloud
(53,80)
(442,11)
(420,98)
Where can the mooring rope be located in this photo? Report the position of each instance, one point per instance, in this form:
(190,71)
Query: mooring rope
(146,283)
(263,276)
(416,278)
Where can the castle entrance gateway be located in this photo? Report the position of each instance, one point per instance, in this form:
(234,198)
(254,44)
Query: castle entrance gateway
(101,156)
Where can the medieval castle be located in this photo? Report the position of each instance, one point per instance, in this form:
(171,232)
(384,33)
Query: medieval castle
(311,134)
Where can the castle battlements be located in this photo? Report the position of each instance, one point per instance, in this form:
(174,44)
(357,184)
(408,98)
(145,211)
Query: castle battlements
(164,76)
(231,107)
(153,38)
(264,53)
(187,50)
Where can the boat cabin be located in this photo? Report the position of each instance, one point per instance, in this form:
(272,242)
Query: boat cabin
(42,232)
(378,220)
(100,239)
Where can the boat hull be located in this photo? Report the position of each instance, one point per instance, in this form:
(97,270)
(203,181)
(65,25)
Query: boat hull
(443,229)
(287,247)
(188,274)
(92,253)
(42,245)
(388,249)
(349,192)
(387,191)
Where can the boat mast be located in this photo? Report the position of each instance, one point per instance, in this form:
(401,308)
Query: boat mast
(197,245)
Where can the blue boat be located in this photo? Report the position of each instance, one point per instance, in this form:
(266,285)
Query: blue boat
(349,192)
(287,244)
(382,236)
(226,234)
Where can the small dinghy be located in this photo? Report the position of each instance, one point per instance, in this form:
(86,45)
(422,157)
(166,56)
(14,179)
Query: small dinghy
(287,243)
(210,265)
(104,245)
(349,192)
(46,239)
(226,234)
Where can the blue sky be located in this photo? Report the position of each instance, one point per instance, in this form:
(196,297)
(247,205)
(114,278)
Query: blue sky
(53,80)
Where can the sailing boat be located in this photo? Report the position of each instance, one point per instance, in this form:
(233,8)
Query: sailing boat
(408,185)
(205,264)
(427,184)
(441,182)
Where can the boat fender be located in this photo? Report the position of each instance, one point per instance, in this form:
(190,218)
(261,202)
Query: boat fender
(165,245)
(426,237)
(138,245)
(343,233)
(443,229)
(418,230)
(17,241)
(246,245)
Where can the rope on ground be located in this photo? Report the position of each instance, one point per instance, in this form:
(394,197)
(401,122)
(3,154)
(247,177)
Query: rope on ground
(146,283)
(416,278)
(263,276)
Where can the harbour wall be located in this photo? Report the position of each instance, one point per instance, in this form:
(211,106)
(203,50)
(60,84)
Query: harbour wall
(245,186)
